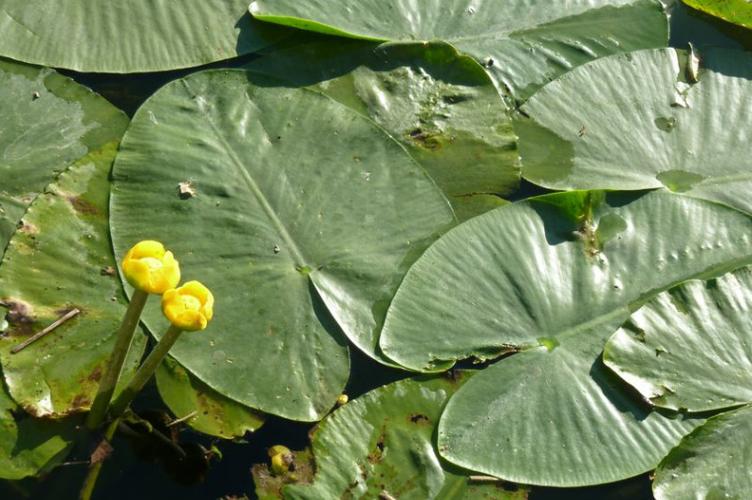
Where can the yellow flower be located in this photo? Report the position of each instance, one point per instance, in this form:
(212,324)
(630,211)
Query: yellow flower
(150,268)
(189,307)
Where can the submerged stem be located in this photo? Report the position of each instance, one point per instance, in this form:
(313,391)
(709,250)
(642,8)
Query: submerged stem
(146,371)
(95,469)
(117,359)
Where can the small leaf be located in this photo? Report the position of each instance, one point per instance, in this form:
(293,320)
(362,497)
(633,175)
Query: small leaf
(203,409)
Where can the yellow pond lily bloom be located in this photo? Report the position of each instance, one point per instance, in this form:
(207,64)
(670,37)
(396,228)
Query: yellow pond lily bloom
(150,268)
(189,307)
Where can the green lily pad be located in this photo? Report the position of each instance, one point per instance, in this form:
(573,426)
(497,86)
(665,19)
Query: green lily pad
(690,347)
(643,120)
(30,446)
(711,462)
(289,194)
(734,11)
(554,276)
(382,443)
(439,104)
(60,260)
(49,123)
(207,411)
(128,36)
(522,47)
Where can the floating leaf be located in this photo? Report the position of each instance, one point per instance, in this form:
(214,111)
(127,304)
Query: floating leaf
(440,105)
(128,36)
(637,121)
(560,272)
(711,462)
(49,123)
(60,260)
(734,11)
(29,446)
(382,443)
(206,410)
(522,47)
(292,195)
(690,347)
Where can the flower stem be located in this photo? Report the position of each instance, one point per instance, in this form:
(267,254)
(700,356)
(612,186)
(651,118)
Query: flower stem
(117,359)
(146,371)
(94,469)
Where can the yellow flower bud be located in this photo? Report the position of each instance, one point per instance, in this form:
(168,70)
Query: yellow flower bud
(150,268)
(277,449)
(342,399)
(189,307)
(282,459)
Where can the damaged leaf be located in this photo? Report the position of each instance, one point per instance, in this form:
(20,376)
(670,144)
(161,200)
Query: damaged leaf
(51,272)
(49,123)
(207,410)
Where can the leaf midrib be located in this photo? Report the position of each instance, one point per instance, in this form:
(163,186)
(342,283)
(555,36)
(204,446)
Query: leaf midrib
(256,190)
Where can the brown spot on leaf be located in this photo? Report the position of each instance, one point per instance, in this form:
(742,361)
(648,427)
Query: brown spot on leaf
(28,228)
(80,402)
(82,206)
(19,312)
(96,375)
(186,190)
(427,140)
(107,271)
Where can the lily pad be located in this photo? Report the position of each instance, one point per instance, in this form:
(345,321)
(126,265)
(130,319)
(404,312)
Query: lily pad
(439,104)
(61,260)
(690,347)
(522,47)
(554,276)
(30,446)
(733,11)
(284,221)
(382,444)
(711,462)
(204,409)
(128,36)
(643,120)
(49,123)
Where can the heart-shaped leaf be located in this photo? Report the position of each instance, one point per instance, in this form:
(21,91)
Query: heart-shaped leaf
(440,105)
(286,195)
(61,261)
(49,123)
(711,462)
(691,346)
(203,409)
(522,47)
(644,120)
(128,36)
(560,271)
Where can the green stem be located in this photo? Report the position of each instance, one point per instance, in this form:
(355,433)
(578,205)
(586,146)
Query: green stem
(146,371)
(117,359)
(96,469)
